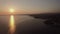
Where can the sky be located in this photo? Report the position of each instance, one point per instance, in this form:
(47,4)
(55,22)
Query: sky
(29,6)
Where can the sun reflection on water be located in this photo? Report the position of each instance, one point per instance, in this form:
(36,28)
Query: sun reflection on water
(11,25)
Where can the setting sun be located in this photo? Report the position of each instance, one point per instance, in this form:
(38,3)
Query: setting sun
(11,10)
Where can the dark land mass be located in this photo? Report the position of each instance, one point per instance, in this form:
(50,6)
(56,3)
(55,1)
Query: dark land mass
(51,18)
(46,15)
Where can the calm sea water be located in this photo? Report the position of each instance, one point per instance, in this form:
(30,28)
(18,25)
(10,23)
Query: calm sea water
(23,24)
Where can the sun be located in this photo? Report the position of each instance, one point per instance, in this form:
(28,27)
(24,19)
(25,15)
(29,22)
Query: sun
(11,10)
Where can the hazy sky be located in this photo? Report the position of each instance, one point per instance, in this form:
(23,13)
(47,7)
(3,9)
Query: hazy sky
(29,5)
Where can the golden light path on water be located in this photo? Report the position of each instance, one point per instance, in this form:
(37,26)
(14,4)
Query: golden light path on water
(12,25)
